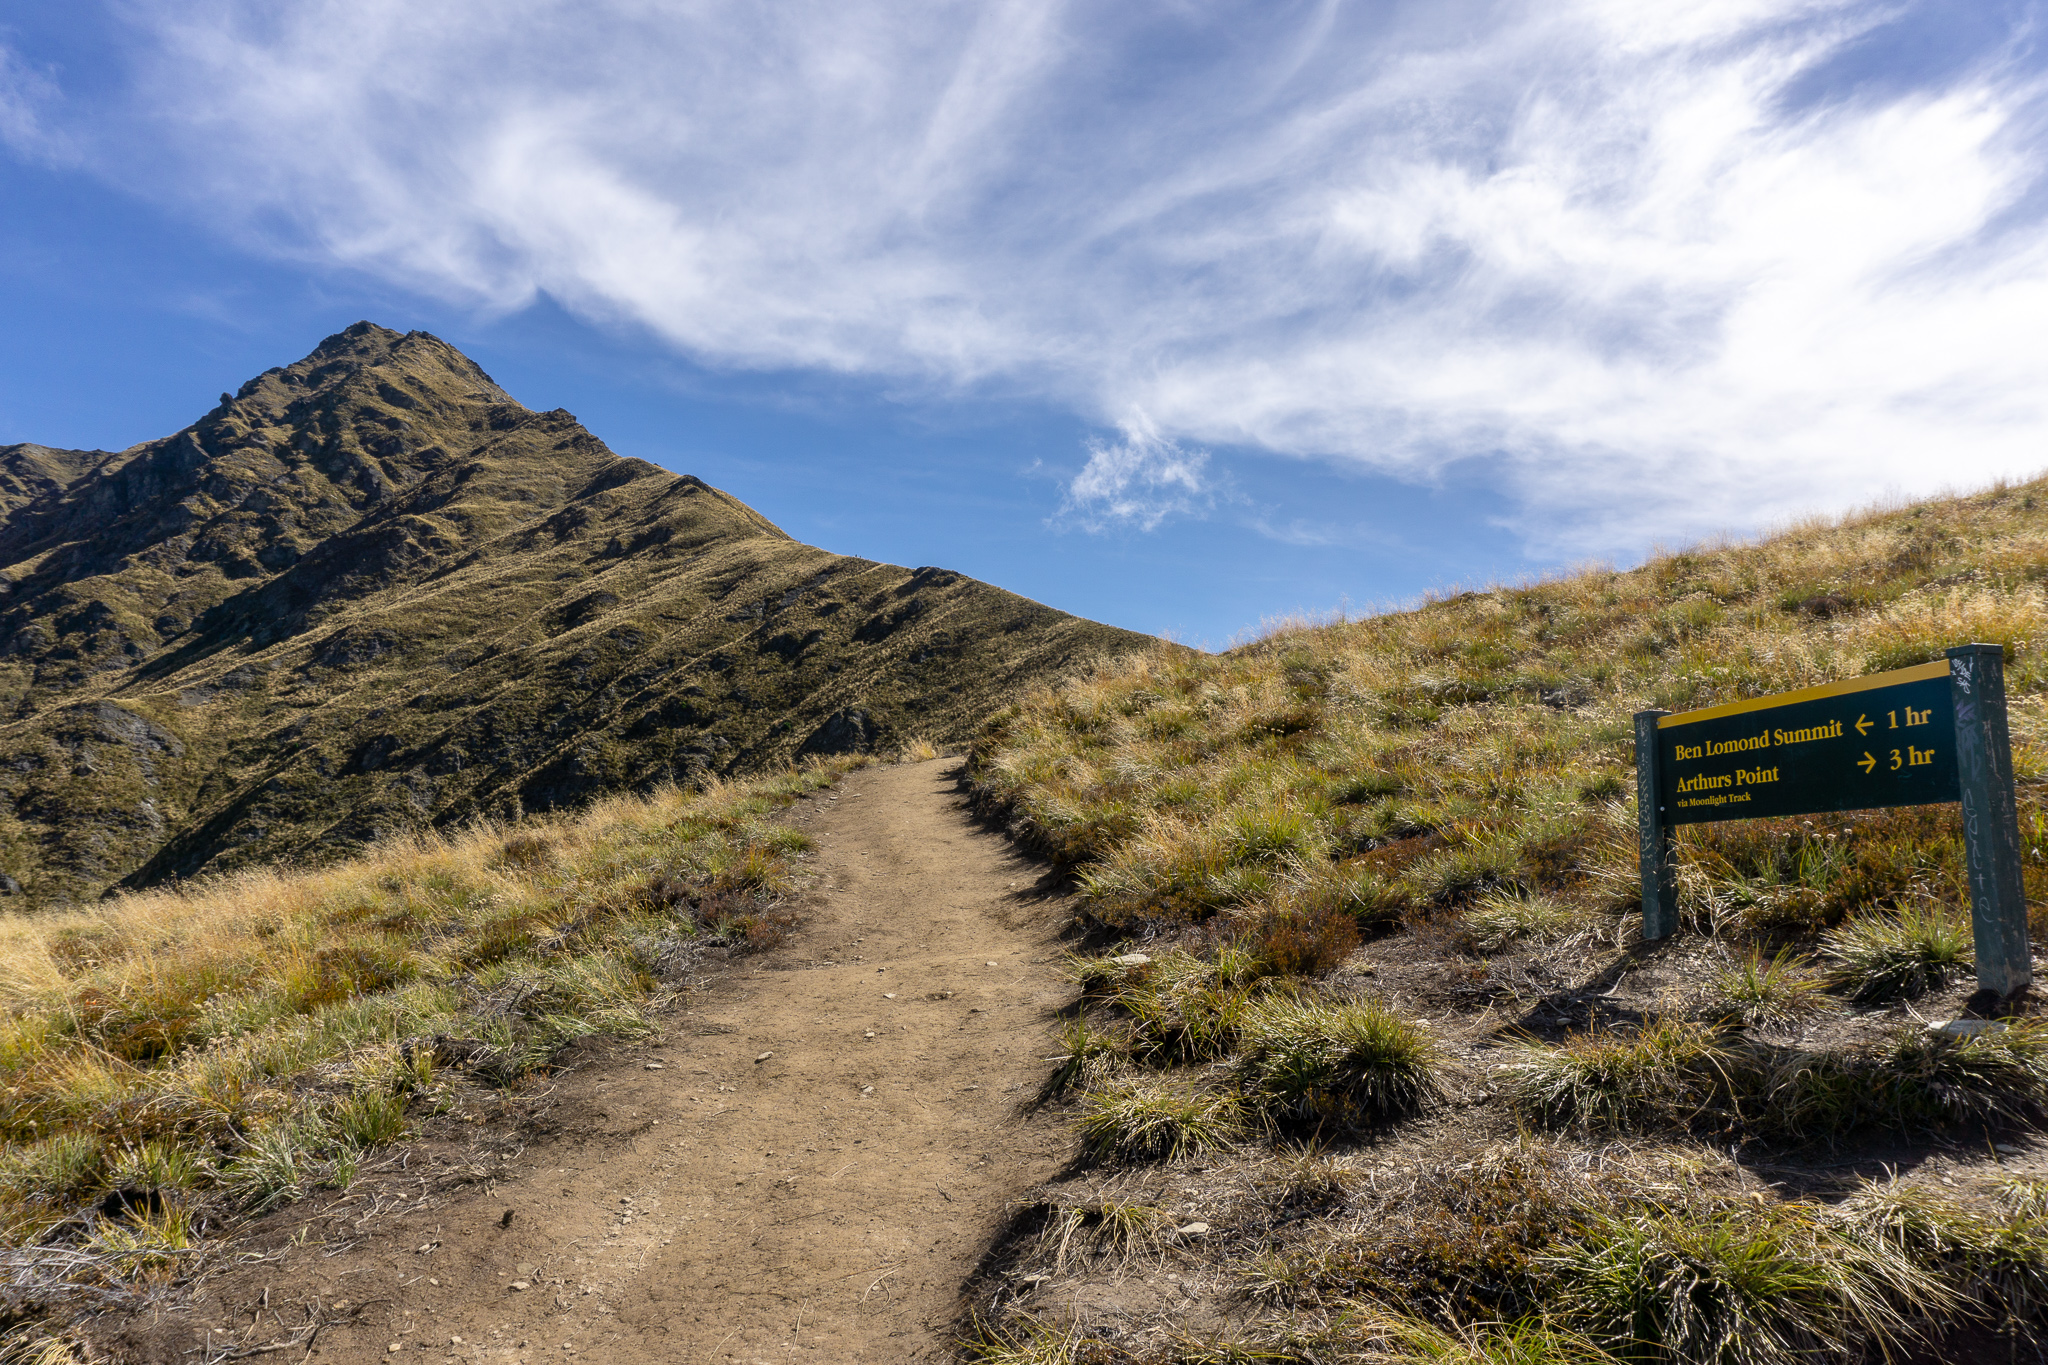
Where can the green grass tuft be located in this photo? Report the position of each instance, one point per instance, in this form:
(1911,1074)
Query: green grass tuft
(1353,1063)
(1674,1074)
(1133,1121)
(1898,957)
(1767,1285)
(1764,993)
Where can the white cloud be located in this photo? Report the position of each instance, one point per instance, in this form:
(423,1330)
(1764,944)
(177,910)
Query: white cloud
(1138,480)
(25,94)
(1667,265)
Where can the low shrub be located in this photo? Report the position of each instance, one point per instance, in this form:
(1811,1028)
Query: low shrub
(1303,943)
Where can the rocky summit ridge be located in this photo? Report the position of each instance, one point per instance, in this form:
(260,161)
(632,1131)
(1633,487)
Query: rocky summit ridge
(370,592)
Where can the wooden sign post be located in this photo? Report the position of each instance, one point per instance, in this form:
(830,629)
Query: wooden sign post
(1914,736)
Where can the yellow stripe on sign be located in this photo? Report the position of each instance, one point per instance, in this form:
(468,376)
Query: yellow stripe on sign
(1918,673)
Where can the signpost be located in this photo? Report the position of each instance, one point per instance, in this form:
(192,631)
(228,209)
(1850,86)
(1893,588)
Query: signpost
(1915,736)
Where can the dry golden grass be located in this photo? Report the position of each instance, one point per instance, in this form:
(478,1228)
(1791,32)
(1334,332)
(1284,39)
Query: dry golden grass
(1478,749)
(1455,783)
(917,749)
(238,1042)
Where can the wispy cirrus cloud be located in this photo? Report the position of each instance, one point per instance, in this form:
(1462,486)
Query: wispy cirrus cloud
(1668,268)
(26,95)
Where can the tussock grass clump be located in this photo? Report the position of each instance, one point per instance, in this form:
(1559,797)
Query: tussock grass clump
(917,749)
(1348,1062)
(1678,1075)
(1157,1121)
(2001,1263)
(1764,1285)
(1902,956)
(1112,1230)
(1392,1338)
(1086,1058)
(1529,1251)
(1501,919)
(1674,1074)
(1764,993)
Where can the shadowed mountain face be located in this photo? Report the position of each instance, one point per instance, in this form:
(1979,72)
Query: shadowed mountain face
(370,592)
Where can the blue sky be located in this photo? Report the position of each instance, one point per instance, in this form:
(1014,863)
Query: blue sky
(1177,315)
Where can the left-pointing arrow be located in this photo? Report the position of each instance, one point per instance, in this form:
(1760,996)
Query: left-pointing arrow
(1863,728)
(1868,762)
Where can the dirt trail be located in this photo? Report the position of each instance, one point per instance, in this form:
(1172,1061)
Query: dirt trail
(818,1163)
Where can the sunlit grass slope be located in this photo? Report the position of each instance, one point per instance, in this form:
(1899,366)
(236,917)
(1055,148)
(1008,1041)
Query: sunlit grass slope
(1356,773)
(176,1058)
(1436,807)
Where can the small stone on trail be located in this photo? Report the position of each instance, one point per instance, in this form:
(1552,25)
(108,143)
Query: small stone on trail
(764,1057)
(889,995)
(991,964)
(1132,960)
(396,1346)
(869,1034)
(1192,1229)
(656,1066)
(1965,1028)
(518,1286)
(867,1089)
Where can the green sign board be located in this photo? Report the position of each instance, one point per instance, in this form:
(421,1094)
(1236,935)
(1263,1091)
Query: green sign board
(1915,736)
(1884,740)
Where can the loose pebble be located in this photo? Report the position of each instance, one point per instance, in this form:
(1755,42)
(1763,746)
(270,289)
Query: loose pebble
(764,1057)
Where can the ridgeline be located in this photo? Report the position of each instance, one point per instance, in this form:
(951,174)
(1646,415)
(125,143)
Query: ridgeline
(370,592)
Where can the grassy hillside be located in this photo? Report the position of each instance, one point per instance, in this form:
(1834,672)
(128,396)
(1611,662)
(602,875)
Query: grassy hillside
(1366,900)
(177,1060)
(370,593)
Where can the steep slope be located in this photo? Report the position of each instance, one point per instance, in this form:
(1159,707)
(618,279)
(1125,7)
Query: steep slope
(1385,878)
(370,591)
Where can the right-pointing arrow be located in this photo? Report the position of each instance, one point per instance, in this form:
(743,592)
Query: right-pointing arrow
(1868,762)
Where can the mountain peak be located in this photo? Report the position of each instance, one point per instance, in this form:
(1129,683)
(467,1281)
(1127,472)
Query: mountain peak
(371,591)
